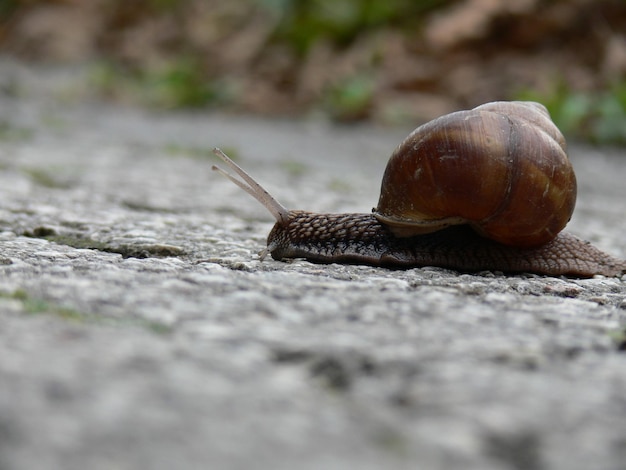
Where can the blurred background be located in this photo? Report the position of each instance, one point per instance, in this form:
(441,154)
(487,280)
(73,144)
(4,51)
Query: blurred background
(392,61)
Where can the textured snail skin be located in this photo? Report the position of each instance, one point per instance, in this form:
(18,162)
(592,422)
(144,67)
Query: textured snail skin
(361,239)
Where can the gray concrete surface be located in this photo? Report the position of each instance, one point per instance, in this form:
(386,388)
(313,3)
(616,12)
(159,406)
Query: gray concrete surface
(138,328)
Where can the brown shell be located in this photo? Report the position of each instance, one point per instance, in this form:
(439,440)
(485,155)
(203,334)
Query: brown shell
(502,168)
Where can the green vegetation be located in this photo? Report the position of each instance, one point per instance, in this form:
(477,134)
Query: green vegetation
(7,7)
(48,178)
(351,99)
(618,337)
(339,185)
(253,54)
(9,132)
(35,306)
(598,117)
(179,150)
(54,121)
(294,168)
(166,5)
(75,241)
(185,82)
(177,84)
(303,22)
(38,306)
(128,250)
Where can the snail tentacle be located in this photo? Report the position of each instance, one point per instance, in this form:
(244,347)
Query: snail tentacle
(250,186)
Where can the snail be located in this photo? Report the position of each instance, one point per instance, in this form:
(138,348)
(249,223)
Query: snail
(486,189)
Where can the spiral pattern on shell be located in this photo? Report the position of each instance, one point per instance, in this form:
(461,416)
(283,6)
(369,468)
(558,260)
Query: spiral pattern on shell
(502,168)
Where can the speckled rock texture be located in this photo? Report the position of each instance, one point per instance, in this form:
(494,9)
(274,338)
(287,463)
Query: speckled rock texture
(138,328)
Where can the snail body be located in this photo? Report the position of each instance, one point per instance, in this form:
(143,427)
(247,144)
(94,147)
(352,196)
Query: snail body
(485,189)
(362,239)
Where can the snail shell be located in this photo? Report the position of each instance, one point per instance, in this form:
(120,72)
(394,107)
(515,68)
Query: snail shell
(502,168)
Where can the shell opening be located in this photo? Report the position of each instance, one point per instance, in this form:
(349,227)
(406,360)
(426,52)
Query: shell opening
(402,228)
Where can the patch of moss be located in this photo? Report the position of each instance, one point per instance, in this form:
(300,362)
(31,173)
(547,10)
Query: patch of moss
(177,150)
(47,178)
(33,305)
(294,168)
(146,207)
(202,153)
(38,306)
(393,441)
(156,327)
(73,240)
(339,185)
(82,242)
(41,232)
(619,339)
(146,250)
(54,122)
(9,132)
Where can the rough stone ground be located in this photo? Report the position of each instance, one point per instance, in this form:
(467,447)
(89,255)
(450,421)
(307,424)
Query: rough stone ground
(138,328)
